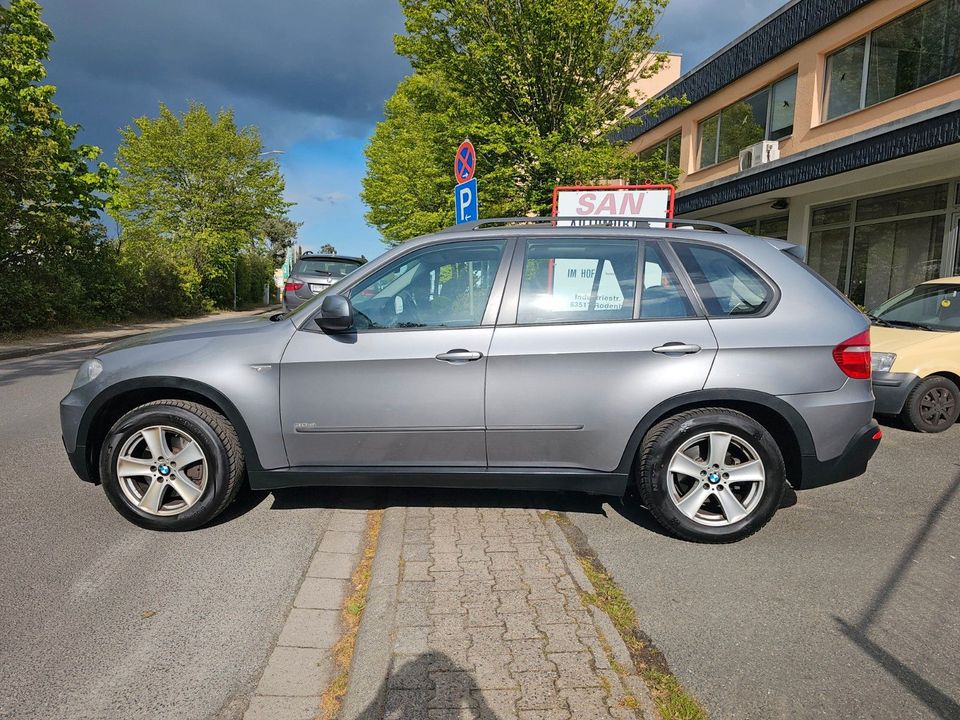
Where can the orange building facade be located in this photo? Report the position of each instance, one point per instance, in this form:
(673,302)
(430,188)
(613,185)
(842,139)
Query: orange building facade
(834,124)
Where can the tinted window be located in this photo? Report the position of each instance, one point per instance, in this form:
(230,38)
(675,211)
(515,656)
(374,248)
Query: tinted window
(936,307)
(725,283)
(661,295)
(438,286)
(319,266)
(577,280)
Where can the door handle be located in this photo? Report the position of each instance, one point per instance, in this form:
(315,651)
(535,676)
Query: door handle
(677,348)
(459,356)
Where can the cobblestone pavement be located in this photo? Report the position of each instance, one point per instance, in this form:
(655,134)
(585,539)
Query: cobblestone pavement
(489,624)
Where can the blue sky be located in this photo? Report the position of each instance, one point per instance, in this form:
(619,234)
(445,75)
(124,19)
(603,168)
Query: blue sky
(311,74)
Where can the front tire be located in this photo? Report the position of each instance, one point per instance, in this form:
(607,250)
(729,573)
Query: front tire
(710,475)
(171,465)
(932,406)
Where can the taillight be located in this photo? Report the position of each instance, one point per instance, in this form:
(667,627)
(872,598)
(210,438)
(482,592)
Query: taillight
(292,286)
(853,356)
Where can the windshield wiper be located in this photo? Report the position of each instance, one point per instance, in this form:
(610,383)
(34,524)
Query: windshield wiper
(910,324)
(879,321)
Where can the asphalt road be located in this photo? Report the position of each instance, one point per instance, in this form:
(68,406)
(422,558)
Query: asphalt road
(101,619)
(844,606)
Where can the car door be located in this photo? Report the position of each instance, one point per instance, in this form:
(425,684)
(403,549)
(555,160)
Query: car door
(405,387)
(581,353)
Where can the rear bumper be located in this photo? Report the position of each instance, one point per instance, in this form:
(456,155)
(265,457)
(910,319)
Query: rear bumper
(891,390)
(848,464)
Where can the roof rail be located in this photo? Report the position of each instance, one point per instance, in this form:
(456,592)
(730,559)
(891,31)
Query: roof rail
(618,221)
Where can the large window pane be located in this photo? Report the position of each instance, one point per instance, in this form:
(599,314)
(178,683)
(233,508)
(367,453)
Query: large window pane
(831,215)
(725,284)
(708,141)
(890,257)
(742,124)
(577,281)
(661,295)
(775,227)
(903,202)
(844,77)
(673,150)
(781,108)
(914,50)
(827,254)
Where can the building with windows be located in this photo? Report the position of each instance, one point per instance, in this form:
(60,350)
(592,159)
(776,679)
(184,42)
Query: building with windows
(834,124)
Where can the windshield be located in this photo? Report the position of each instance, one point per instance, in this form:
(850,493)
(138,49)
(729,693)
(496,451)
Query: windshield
(927,307)
(335,268)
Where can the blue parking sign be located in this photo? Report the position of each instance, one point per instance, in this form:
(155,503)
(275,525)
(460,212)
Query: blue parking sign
(465,201)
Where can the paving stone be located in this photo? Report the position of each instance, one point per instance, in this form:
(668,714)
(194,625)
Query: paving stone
(544,715)
(464,713)
(411,673)
(416,552)
(537,691)
(445,562)
(311,628)
(600,659)
(332,565)
(473,552)
(562,638)
(282,707)
(507,580)
(483,615)
(528,550)
(412,614)
(337,541)
(541,588)
(447,603)
(552,612)
(417,523)
(476,569)
(445,544)
(521,627)
(296,672)
(406,704)
(417,537)
(574,670)
(586,703)
(448,581)
(528,656)
(452,690)
(512,601)
(416,592)
(497,704)
(418,512)
(537,569)
(411,640)
(348,521)
(322,593)
(416,571)
(490,673)
(500,544)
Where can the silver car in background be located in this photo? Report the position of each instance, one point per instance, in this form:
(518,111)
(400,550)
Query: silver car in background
(701,366)
(314,273)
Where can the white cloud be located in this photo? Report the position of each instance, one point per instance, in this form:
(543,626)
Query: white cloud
(334,197)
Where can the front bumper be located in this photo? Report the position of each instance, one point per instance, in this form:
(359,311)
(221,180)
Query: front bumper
(848,464)
(891,390)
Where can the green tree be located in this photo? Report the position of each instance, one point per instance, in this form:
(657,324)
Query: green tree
(328,249)
(280,233)
(51,243)
(537,86)
(192,199)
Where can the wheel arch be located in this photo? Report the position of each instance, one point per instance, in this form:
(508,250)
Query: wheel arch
(951,376)
(782,421)
(118,399)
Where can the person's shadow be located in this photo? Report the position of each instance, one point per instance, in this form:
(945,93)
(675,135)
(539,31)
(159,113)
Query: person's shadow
(430,681)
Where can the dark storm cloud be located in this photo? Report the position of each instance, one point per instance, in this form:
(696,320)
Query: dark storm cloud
(288,66)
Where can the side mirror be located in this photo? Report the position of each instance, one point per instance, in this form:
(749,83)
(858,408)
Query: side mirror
(336,314)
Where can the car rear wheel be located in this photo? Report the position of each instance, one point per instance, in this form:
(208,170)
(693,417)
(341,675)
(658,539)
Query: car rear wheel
(932,406)
(711,475)
(171,465)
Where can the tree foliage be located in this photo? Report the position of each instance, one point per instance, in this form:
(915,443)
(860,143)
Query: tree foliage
(538,86)
(193,202)
(50,239)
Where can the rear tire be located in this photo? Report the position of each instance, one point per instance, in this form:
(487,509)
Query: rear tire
(710,475)
(141,474)
(932,406)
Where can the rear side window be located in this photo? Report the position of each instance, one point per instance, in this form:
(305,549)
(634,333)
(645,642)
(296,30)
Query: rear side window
(726,285)
(661,295)
(578,281)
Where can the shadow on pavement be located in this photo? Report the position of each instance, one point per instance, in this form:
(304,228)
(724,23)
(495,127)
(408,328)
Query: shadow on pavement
(937,700)
(431,681)
(14,370)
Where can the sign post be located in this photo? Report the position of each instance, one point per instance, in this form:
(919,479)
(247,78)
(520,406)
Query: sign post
(465,193)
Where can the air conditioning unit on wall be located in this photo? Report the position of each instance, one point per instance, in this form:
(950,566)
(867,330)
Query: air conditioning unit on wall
(758,154)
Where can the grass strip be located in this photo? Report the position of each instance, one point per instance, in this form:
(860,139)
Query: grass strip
(332,698)
(672,700)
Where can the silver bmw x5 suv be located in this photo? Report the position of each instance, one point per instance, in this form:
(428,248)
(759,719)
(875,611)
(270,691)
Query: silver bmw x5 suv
(701,366)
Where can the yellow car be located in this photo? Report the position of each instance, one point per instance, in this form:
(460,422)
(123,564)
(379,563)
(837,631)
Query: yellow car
(915,343)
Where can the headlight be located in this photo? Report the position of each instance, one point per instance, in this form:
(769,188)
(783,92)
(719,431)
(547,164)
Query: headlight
(87,372)
(882,362)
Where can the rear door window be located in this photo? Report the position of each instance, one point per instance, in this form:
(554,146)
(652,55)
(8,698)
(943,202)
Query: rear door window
(727,286)
(578,281)
(661,295)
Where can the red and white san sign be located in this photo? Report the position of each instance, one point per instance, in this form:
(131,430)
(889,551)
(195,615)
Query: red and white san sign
(587,205)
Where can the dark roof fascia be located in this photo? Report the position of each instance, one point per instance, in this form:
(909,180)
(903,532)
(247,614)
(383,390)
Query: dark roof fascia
(790,25)
(928,130)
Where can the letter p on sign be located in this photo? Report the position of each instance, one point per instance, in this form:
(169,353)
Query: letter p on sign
(465,201)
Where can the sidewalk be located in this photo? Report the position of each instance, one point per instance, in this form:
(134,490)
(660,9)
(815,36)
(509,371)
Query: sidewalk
(478,613)
(54,342)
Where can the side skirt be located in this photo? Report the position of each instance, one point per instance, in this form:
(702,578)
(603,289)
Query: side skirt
(555,479)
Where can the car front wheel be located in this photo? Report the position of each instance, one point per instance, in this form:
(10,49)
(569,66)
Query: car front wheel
(171,465)
(711,475)
(932,406)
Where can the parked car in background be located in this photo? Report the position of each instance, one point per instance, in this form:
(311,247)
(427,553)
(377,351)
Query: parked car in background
(314,273)
(916,355)
(704,367)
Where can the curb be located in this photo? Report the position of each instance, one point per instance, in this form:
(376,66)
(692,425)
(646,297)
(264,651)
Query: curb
(22,352)
(366,688)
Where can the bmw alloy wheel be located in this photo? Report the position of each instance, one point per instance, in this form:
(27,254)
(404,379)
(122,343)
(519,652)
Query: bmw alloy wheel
(162,470)
(716,478)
